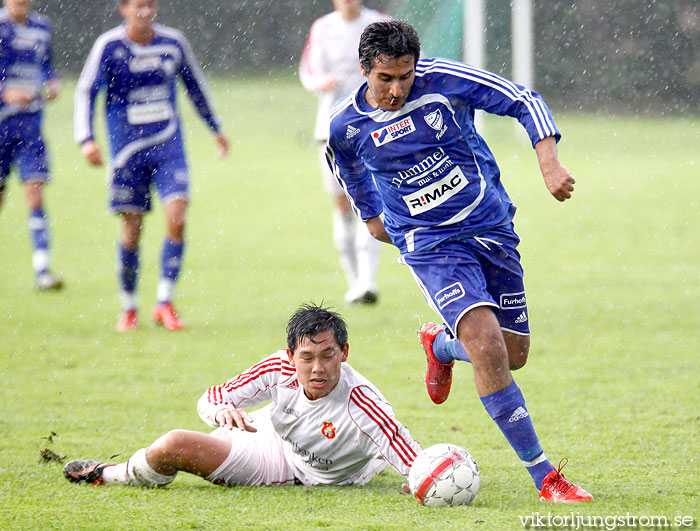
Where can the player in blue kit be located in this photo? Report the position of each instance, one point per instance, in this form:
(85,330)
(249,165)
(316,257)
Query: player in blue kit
(138,65)
(404,146)
(27,78)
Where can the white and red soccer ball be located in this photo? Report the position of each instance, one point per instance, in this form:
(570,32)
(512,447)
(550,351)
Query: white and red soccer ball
(444,474)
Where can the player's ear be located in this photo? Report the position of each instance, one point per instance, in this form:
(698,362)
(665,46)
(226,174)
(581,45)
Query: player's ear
(291,357)
(344,356)
(362,69)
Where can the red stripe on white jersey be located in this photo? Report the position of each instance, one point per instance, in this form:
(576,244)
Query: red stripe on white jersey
(388,427)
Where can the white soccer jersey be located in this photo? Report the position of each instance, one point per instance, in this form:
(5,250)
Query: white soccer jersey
(339,439)
(331,47)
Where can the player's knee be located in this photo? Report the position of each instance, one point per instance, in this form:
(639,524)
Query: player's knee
(170,443)
(518,352)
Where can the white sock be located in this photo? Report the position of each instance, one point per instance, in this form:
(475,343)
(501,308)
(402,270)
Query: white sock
(129,300)
(344,239)
(41,260)
(367,249)
(166,290)
(136,471)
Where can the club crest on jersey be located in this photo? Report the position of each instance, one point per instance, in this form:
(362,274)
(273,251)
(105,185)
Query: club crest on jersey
(391,132)
(328,430)
(434,120)
(436,193)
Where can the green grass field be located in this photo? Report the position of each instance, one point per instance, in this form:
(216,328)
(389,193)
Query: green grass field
(613,281)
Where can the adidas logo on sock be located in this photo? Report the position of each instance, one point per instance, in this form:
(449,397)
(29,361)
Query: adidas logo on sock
(518,414)
(521,318)
(351,131)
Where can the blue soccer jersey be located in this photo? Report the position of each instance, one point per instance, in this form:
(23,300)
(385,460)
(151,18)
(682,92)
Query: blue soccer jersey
(25,63)
(140,82)
(25,59)
(425,166)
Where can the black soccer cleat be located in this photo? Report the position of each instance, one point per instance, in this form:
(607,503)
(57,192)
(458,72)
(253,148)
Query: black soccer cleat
(82,471)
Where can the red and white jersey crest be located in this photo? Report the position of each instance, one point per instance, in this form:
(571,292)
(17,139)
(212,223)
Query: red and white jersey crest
(328,430)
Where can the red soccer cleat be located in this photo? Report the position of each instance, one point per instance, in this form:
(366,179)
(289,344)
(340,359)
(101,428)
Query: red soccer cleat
(164,314)
(83,471)
(438,376)
(556,488)
(128,321)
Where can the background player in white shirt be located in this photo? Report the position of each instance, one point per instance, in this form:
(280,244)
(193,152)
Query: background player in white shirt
(138,65)
(330,68)
(326,424)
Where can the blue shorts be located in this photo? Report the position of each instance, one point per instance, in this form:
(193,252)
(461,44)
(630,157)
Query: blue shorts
(21,144)
(161,166)
(459,275)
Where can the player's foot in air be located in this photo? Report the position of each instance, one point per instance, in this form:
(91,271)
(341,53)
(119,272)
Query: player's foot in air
(128,321)
(82,471)
(556,488)
(48,282)
(438,376)
(164,314)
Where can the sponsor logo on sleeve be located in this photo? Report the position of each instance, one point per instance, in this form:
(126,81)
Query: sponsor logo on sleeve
(512,301)
(393,131)
(449,294)
(436,193)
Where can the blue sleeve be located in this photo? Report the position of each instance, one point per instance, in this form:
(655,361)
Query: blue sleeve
(92,79)
(196,85)
(480,89)
(353,177)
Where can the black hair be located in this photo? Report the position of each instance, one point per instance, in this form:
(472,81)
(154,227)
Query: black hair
(393,38)
(310,320)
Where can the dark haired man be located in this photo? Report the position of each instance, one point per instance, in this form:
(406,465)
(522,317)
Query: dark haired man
(138,64)
(326,424)
(404,145)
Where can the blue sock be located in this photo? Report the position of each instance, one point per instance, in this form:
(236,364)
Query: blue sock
(171,259)
(39,229)
(507,408)
(446,349)
(128,268)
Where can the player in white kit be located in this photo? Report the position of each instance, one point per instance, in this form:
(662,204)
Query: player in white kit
(329,67)
(326,424)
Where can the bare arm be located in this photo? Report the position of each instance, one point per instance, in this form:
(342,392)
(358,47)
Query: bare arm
(91,151)
(376,228)
(557,178)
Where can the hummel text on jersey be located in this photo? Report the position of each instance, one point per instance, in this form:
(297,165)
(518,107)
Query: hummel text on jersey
(437,193)
(393,131)
(431,166)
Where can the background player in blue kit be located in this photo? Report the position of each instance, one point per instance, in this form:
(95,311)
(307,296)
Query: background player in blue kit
(26,79)
(138,64)
(404,145)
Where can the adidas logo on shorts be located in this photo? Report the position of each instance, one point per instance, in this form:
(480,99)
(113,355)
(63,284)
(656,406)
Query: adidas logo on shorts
(521,318)
(351,131)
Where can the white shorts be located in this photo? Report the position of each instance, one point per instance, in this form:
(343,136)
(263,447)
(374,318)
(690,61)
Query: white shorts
(256,458)
(330,183)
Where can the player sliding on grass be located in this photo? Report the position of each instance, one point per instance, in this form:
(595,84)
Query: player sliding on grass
(326,424)
(138,64)
(404,145)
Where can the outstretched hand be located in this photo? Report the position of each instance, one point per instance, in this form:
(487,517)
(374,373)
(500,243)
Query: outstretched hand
(235,418)
(557,178)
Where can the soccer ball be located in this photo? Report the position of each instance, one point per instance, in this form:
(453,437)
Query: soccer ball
(444,474)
